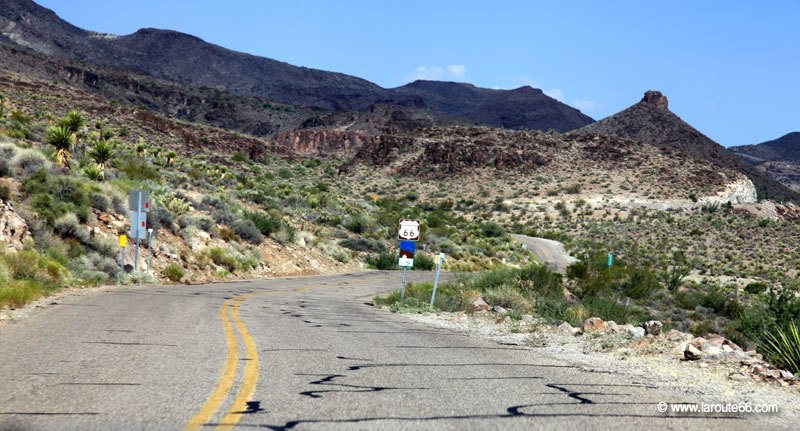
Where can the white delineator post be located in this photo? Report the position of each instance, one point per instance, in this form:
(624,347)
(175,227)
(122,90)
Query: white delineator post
(439,262)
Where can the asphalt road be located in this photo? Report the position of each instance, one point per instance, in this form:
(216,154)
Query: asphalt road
(547,251)
(301,353)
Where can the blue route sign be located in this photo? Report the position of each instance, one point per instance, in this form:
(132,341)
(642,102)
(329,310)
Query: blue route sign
(407,250)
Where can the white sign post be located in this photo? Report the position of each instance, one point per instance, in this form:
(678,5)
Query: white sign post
(439,262)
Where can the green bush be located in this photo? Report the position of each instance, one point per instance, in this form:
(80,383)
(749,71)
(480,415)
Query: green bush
(383,261)
(222,258)
(173,273)
(423,262)
(5,193)
(756,288)
(364,244)
(359,224)
(267,224)
(492,230)
(248,231)
(507,297)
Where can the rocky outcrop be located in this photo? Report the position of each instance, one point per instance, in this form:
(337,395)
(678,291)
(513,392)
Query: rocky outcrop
(738,192)
(13,229)
(656,99)
(321,142)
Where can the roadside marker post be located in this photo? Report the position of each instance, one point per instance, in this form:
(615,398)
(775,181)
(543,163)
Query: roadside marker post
(123,242)
(439,262)
(139,213)
(149,248)
(610,260)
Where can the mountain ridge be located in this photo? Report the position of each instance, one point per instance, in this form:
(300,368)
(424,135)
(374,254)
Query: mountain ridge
(177,57)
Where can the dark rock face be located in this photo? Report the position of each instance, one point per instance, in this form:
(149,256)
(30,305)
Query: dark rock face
(656,99)
(188,60)
(651,122)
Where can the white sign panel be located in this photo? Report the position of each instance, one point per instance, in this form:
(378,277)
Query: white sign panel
(409,230)
(405,262)
(138,225)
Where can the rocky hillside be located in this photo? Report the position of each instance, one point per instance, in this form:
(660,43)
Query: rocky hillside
(650,121)
(779,158)
(786,148)
(188,60)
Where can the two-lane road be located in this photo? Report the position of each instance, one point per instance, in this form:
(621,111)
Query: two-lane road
(303,353)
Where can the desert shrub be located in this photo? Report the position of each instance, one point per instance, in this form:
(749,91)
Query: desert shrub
(69,226)
(5,168)
(137,168)
(201,221)
(359,223)
(212,203)
(756,288)
(287,234)
(52,196)
(94,269)
(223,216)
(222,258)
(28,161)
(100,201)
(227,234)
(641,283)
(5,192)
(423,262)
(173,273)
(20,292)
(248,231)
(160,217)
(176,205)
(382,261)
(364,244)
(267,224)
(492,230)
(507,297)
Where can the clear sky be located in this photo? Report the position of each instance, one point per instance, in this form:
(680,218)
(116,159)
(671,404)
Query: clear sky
(730,68)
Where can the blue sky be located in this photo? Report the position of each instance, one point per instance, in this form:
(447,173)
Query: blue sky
(730,68)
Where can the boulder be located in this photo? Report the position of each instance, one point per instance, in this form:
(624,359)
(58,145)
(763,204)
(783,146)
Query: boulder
(480,306)
(13,229)
(500,310)
(692,353)
(675,335)
(652,327)
(593,324)
(699,342)
(566,328)
(612,326)
(526,318)
(636,332)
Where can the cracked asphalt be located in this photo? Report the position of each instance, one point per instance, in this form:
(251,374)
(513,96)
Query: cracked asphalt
(298,353)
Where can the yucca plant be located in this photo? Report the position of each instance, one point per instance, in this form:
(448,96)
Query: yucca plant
(93,173)
(102,152)
(782,347)
(60,137)
(74,121)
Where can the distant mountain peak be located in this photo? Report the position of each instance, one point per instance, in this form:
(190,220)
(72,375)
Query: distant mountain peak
(655,98)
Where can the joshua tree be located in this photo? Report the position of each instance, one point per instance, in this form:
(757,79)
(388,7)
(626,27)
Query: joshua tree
(60,137)
(171,157)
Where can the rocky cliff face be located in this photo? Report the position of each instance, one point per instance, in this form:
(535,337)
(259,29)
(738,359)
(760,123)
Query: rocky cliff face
(13,229)
(321,143)
(738,192)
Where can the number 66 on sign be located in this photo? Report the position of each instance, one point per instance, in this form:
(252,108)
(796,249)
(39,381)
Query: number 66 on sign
(409,230)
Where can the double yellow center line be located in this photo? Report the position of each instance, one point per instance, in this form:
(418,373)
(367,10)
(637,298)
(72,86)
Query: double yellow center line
(229,315)
(229,370)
